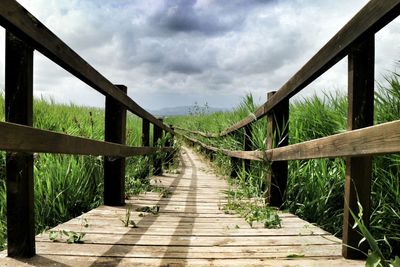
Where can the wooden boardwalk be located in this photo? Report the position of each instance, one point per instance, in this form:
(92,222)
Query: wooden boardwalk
(190,229)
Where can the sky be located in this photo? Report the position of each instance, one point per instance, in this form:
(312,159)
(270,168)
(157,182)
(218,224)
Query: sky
(177,52)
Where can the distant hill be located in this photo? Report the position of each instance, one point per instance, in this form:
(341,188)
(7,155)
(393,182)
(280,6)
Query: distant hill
(182,110)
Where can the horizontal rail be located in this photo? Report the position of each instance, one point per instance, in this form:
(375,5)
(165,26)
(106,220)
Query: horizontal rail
(250,155)
(369,20)
(19,21)
(375,140)
(206,135)
(20,138)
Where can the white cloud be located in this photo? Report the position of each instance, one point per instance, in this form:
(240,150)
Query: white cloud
(172,53)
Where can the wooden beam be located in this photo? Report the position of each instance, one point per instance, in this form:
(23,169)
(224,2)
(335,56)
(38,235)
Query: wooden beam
(114,168)
(270,145)
(375,15)
(19,138)
(19,166)
(361,67)
(170,143)
(19,21)
(247,145)
(278,134)
(145,132)
(207,135)
(375,140)
(157,137)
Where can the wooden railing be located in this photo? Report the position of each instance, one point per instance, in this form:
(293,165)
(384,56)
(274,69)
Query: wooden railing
(24,33)
(362,140)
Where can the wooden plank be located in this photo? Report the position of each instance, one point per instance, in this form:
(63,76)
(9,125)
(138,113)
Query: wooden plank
(65,260)
(361,68)
(19,166)
(19,21)
(226,241)
(114,168)
(188,253)
(375,15)
(20,138)
(194,233)
(200,262)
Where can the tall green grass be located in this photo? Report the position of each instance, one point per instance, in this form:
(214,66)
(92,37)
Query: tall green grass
(68,185)
(315,187)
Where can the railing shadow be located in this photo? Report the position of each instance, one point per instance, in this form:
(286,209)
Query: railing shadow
(185,240)
(150,220)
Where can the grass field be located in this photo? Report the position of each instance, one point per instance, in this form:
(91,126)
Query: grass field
(66,186)
(315,187)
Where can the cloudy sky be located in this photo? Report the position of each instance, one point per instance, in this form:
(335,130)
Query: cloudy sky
(177,52)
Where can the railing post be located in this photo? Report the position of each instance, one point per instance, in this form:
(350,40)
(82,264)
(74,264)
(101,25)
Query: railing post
(157,135)
(360,114)
(277,136)
(114,168)
(145,132)
(19,166)
(169,143)
(247,145)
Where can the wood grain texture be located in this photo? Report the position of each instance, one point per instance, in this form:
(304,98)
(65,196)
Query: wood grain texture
(19,166)
(361,69)
(20,138)
(191,232)
(19,21)
(278,123)
(375,140)
(114,168)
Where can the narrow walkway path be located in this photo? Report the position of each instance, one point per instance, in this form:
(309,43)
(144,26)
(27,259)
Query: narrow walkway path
(190,229)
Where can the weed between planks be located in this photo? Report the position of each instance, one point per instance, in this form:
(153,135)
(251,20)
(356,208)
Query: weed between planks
(71,237)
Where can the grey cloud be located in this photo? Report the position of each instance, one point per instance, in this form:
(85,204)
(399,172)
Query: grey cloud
(181,16)
(210,48)
(184,67)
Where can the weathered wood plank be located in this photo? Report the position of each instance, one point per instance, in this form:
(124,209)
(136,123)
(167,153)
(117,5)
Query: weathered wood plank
(19,21)
(20,138)
(190,252)
(55,260)
(180,234)
(375,140)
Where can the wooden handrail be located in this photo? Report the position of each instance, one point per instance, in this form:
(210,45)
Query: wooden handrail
(374,140)
(18,20)
(20,138)
(207,135)
(24,33)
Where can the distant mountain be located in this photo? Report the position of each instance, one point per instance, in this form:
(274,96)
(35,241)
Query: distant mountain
(183,110)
